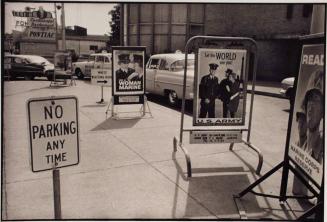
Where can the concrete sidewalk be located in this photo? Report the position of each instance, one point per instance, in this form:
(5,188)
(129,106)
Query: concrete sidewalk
(267,88)
(128,169)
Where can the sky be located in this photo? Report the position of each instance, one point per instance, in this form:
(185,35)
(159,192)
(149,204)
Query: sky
(93,16)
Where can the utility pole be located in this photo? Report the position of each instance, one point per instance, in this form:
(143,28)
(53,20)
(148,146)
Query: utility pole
(56,25)
(63,29)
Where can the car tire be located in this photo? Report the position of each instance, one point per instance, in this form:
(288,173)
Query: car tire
(172,98)
(28,77)
(50,77)
(79,74)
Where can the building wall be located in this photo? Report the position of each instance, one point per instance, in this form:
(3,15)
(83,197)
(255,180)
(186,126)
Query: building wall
(167,27)
(256,20)
(45,49)
(82,46)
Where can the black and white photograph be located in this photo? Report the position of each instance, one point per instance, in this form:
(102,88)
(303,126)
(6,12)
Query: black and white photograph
(163,110)
(128,71)
(307,138)
(220,82)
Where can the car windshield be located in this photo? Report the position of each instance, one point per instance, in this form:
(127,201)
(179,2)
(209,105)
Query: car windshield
(179,65)
(37,59)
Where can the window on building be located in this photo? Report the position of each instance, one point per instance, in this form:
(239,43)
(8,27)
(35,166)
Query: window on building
(289,12)
(93,47)
(307,10)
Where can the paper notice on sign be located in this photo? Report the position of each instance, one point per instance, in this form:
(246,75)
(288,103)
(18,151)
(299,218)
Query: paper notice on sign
(129,99)
(200,137)
(101,77)
(53,130)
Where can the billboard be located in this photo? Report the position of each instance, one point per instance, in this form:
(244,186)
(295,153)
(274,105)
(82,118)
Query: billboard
(307,130)
(220,87)
(128,74)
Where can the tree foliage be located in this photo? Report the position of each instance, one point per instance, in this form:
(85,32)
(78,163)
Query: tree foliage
(114,38)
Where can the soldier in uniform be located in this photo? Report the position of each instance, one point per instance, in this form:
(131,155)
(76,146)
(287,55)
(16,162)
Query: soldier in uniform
(208,92)
(124,71)
(313,105)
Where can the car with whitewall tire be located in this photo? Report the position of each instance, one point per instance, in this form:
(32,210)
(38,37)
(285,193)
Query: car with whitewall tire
(165,76)
(95,61)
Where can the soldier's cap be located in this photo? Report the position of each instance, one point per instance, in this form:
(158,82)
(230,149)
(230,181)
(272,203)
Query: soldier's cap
(123,58)
(138,59)
(315,84)
(299,113)
(213,66)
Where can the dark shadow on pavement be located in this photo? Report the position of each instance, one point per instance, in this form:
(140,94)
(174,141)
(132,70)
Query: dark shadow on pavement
(96,105)
(161,100)
(215,193)
(110,123)
(286,110)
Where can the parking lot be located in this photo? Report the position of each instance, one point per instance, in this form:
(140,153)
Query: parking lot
(128,169)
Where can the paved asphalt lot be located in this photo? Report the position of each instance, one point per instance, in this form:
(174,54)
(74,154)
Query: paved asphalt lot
(128,169)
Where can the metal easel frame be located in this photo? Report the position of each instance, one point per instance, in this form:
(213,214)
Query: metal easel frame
(287,165)
(143,111)
(179,143)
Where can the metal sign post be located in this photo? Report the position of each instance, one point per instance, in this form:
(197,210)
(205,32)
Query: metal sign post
(252,53)
(54,138)
(56,193)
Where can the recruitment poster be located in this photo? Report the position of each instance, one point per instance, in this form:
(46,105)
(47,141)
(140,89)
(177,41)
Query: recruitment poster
(128,74)
(307,131)
(220,84)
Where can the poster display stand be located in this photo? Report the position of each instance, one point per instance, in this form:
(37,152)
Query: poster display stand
(208,54)
(128,80)
(304,159)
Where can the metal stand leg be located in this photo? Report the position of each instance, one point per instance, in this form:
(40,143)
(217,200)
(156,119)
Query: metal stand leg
(187,156)
(257,150)
(112,109)
(102,100)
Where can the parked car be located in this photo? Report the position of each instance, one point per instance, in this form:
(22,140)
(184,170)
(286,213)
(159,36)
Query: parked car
(95,60)
(287,89)
(28,66)
(165,75)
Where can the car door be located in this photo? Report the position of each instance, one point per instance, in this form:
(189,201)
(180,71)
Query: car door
(151,72)
(162,77)
(89,65)
(99,62)
(18,67)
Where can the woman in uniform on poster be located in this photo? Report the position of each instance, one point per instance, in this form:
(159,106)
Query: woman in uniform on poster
(138,67)
(313,105)
(234,99)
(124,71)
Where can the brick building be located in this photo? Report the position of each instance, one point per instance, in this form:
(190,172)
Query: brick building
(275,27)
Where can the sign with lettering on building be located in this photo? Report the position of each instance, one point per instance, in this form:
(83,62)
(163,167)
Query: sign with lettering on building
(53,132)
(101,77)
(45,34)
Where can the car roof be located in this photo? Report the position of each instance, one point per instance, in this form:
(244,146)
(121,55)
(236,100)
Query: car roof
(23,56)
(104,54)
(172,57)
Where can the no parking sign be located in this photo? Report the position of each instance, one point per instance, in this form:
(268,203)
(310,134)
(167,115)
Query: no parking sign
(53,132)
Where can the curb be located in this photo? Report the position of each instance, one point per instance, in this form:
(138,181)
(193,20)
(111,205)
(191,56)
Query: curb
(262,93)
